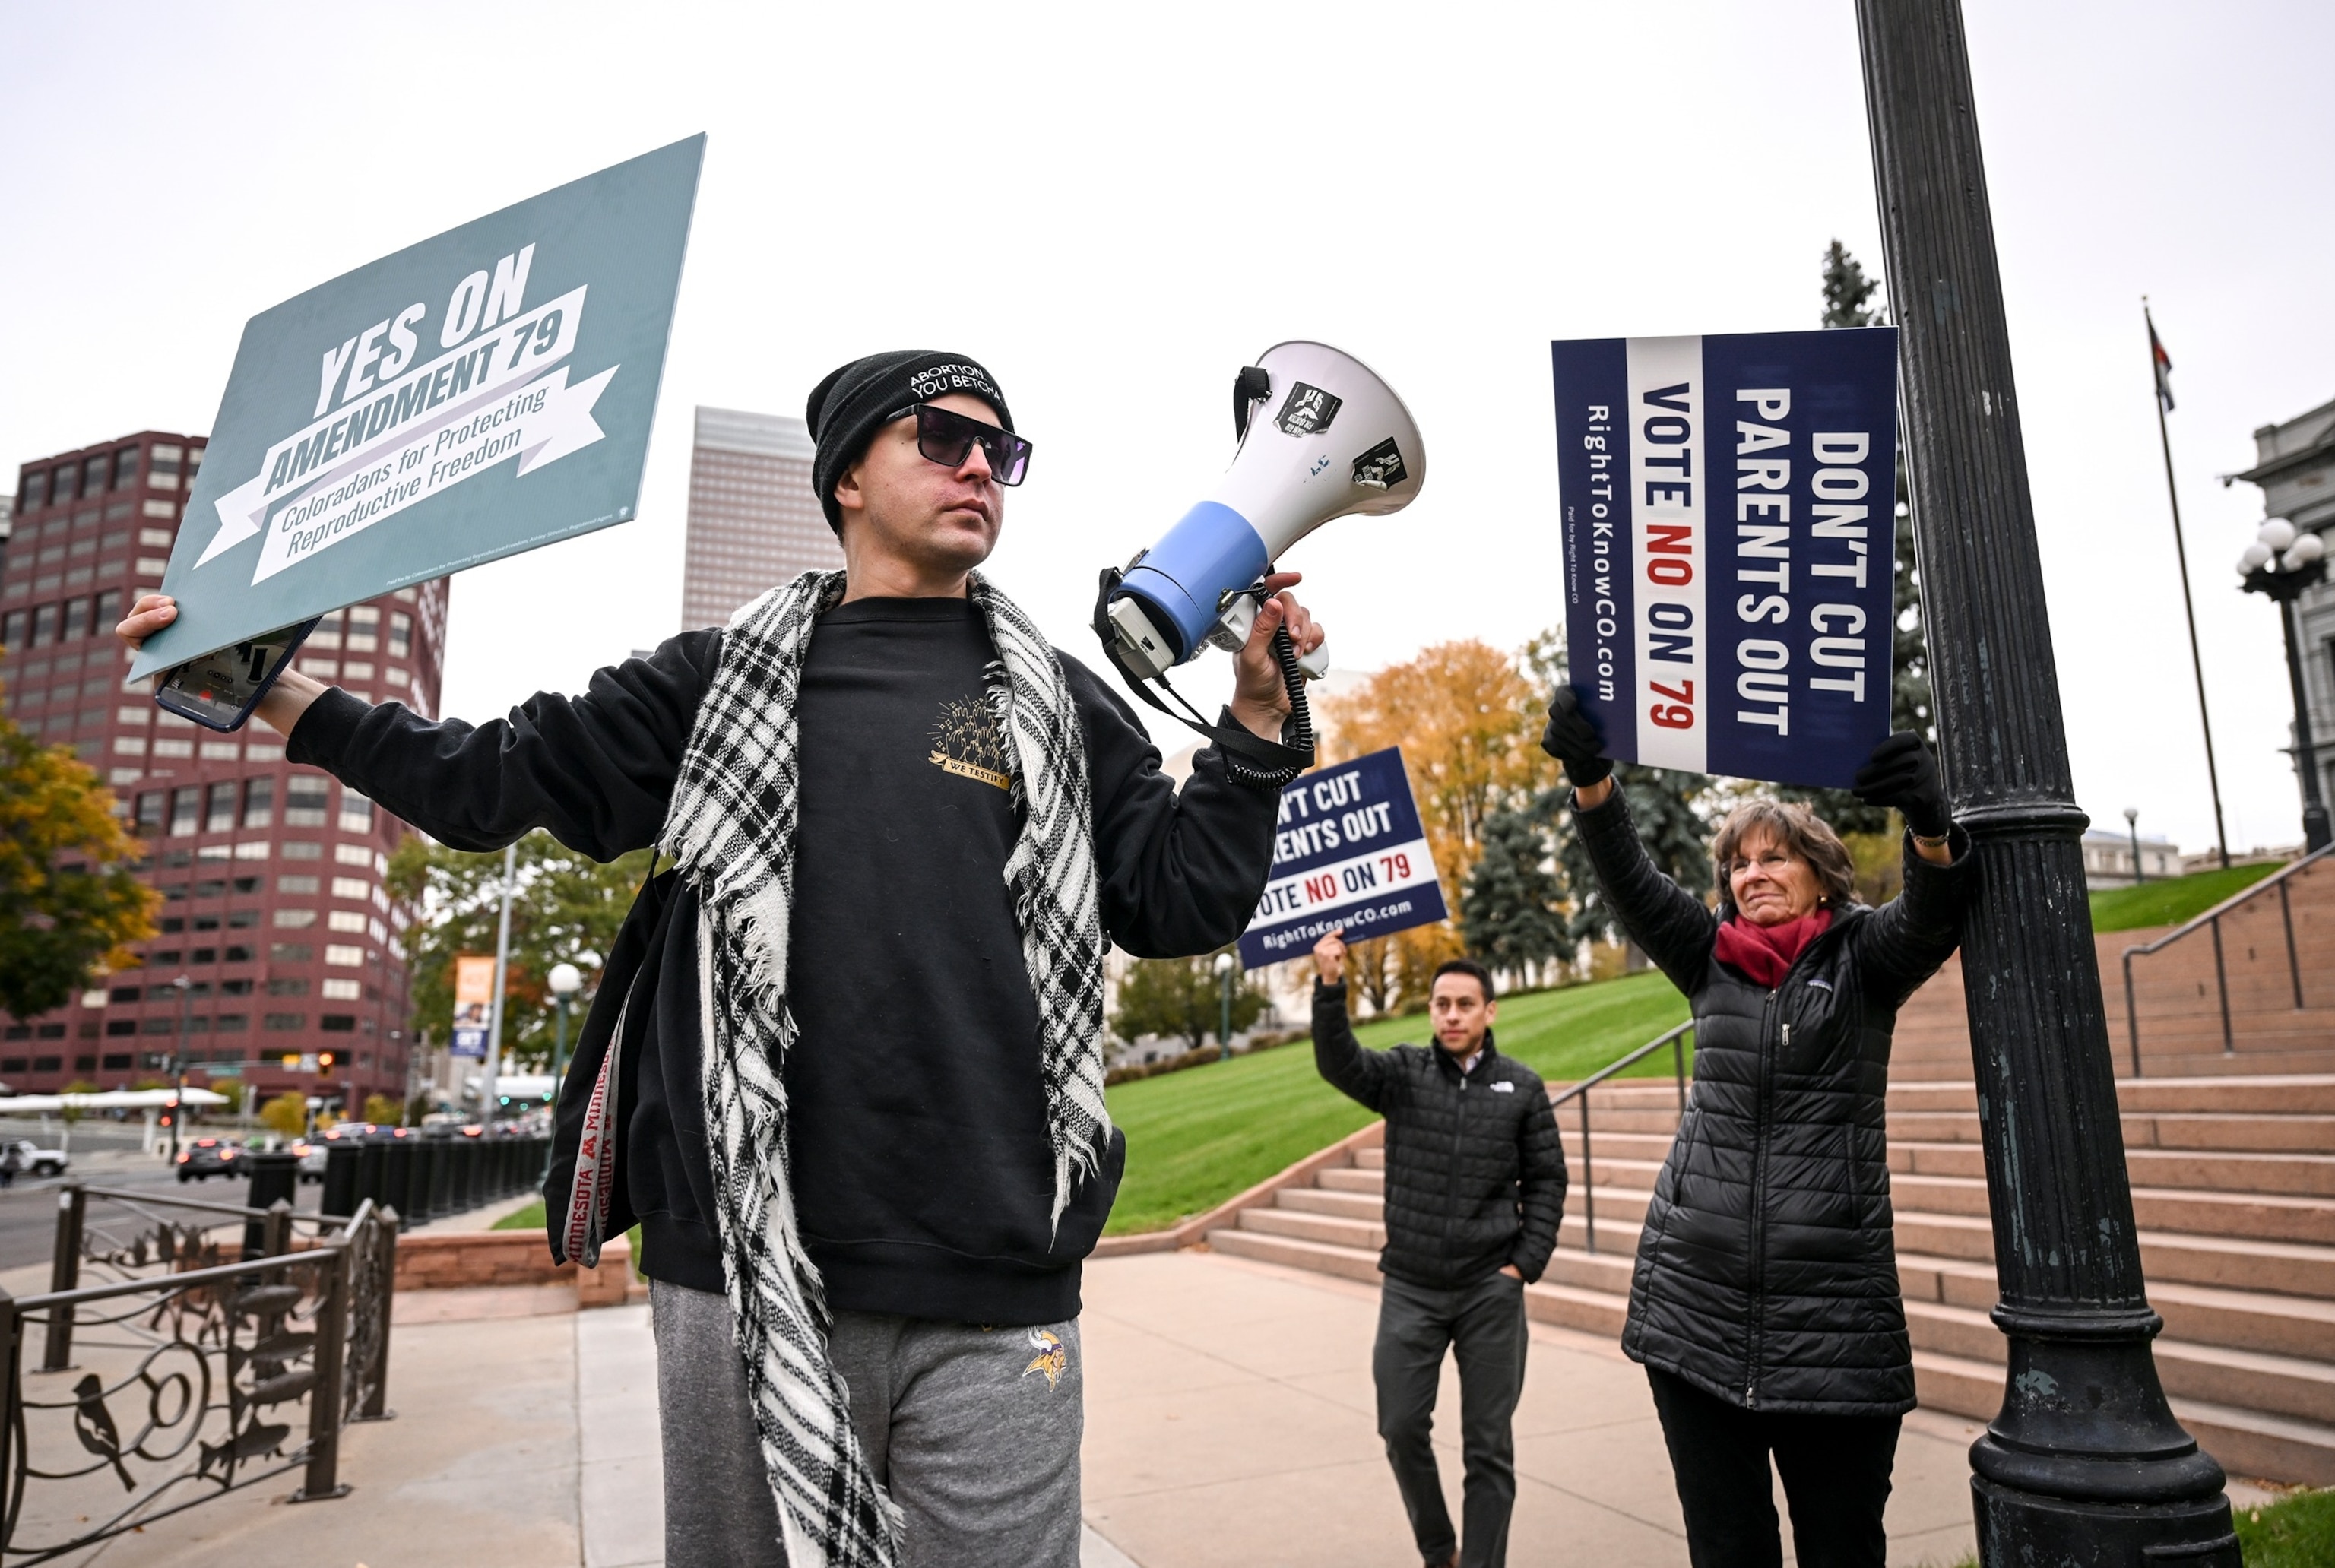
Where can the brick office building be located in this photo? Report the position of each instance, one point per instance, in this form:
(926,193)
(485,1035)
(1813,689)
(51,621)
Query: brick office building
(271,874)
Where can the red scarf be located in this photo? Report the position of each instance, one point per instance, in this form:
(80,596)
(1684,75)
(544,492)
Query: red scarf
(1766,953)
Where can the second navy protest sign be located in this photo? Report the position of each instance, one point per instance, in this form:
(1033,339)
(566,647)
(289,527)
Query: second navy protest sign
(1730,530)
(472,396)
(1348,853)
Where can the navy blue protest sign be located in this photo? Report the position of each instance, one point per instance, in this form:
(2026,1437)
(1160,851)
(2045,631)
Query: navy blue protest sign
(480,393)
(1730,531)
(1348,853)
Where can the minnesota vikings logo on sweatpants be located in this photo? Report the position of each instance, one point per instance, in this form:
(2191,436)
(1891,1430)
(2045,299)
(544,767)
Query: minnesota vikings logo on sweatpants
(1052,1360)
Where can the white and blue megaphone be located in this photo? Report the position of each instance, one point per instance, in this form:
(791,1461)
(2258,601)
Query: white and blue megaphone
(1321,437)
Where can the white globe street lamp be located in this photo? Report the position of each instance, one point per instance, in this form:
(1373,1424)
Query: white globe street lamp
(565,980)
(2279,564)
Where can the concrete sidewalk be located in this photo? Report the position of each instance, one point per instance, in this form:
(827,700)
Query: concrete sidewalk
(1230,1420)
(480,1465)
(526,1436)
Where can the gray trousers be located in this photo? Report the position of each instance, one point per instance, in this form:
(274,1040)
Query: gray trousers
(1484,1325)
(974,1432)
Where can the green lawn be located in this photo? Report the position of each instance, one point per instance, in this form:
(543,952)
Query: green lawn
(2297,1532)
(1195,1138)
(2169,903)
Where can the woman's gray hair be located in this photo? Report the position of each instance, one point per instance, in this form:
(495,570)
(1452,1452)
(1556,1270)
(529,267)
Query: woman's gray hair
(1801,832)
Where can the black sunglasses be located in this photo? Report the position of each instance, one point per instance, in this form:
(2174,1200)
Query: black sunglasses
(946,437)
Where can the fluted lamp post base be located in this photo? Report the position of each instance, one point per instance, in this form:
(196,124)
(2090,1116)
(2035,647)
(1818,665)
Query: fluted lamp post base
(2044,1488)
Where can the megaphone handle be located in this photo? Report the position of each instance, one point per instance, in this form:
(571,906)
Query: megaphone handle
(1250,387)
(1296,731)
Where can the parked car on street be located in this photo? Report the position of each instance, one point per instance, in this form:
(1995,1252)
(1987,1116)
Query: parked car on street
(33,1160)
(312,1160)
(200,1160)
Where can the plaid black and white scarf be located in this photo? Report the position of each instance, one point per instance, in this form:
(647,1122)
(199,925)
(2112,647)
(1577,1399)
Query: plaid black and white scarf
(732,831)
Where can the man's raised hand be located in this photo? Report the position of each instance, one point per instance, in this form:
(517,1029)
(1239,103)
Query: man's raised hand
(1260,697)
(1329,957)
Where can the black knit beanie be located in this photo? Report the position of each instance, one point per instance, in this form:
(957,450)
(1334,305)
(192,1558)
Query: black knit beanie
(854,402)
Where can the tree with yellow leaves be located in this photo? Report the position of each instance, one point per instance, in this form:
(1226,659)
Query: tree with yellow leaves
(68,902)
(287,1113)
(1469,724)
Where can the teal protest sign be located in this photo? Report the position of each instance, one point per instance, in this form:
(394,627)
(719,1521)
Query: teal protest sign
(478,394)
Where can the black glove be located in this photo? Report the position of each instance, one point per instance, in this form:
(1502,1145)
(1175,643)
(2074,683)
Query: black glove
(1902,773)
(1574,741)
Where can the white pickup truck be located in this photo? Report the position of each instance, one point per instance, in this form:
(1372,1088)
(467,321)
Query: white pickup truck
(30,1159)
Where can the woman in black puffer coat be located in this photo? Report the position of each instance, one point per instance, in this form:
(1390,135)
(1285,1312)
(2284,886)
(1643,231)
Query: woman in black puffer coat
(1765,1302)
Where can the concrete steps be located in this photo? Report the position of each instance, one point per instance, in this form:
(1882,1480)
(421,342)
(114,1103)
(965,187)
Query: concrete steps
(2233,1191)
(2176,996)
(2246,1442)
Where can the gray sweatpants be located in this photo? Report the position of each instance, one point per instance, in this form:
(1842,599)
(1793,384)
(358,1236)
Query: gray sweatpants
(1483,1325)
(974,1431)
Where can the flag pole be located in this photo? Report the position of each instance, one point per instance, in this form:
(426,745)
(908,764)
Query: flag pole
(2157,369)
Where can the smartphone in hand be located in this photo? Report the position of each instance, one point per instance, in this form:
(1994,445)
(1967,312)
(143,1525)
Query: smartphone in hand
(219,689)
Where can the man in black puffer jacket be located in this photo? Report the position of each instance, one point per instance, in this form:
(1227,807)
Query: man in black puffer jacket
(1474,1189)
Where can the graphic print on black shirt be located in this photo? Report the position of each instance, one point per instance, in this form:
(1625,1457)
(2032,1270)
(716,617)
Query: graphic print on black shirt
(923,1173)
(967,742)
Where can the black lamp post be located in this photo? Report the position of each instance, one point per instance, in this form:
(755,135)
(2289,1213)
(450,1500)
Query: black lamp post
(2132,825)
(2085,1464)
(1225,969)
(185,987)
(2278,565)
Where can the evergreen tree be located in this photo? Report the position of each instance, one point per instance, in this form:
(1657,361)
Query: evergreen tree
(1509,909)
(1665,806)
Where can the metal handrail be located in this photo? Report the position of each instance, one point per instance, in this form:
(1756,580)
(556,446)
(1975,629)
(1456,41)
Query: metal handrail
(1676,1037)
(2213,917)
(140,1196)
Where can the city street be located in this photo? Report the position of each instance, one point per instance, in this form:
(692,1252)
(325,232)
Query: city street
(28,1208)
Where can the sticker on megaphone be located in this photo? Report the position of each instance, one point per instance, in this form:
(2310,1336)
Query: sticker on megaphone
(1321,437)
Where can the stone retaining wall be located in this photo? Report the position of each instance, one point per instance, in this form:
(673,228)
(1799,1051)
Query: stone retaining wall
(486,1258)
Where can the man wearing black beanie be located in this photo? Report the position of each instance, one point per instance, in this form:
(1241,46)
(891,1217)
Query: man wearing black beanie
(843,1066)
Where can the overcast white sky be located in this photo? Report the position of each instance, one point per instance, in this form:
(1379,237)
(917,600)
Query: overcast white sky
(1116,209)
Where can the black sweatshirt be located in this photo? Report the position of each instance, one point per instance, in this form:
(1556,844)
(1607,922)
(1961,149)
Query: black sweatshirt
(922,1175)
(1475,1170)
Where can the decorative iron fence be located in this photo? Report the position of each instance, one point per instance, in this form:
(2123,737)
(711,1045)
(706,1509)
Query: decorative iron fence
(187,1350)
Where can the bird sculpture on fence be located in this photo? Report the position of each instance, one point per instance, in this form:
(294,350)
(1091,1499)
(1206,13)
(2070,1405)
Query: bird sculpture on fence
(93,1425)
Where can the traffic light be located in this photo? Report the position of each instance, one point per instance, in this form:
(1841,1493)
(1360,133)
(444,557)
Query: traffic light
(324,1061)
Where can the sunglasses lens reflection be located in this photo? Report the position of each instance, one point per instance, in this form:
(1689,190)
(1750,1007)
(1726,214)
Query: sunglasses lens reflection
(946,437)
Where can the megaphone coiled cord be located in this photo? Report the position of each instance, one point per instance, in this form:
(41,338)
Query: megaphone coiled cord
(1296,731)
